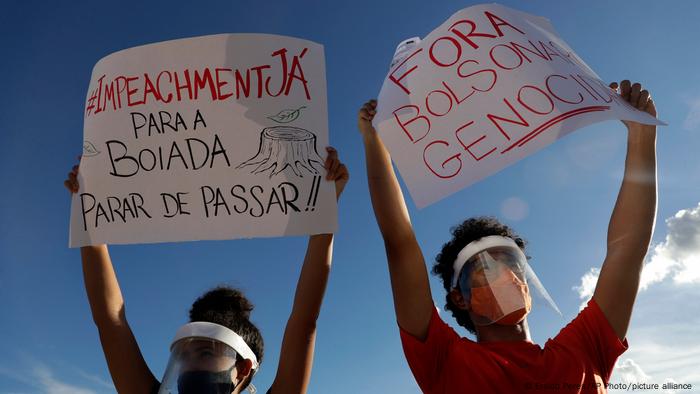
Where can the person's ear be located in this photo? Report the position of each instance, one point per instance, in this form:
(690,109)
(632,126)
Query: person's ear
(458,300)
(243,369)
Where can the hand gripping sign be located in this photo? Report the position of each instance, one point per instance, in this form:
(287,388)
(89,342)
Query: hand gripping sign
(213,137)
(485,89)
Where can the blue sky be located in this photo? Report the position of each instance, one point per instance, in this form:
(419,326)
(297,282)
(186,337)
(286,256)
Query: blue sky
(559,199)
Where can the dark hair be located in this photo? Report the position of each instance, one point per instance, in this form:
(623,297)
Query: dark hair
(462,234)
(230,308)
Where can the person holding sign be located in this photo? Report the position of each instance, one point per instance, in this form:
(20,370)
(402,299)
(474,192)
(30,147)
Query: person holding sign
(490,286)
(220,350)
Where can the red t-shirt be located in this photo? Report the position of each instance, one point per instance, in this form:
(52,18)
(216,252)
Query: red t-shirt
(579,359)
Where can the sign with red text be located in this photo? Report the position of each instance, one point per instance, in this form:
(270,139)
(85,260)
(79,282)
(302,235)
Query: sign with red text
(213,137)
(487,88)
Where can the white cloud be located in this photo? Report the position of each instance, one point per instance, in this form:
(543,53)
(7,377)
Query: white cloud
(587,286)
(678,256)
(662,339)
(14,375)
(51,385)
(628,371)
(93,378)
(660,353)
(663,331)
(39,378)
(692,119)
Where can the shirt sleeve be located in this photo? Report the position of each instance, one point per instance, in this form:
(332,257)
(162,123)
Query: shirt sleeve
(426,358)
(591,334)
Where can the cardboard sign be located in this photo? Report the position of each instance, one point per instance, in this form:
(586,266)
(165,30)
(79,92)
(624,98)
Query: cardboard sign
(485,89)
(212,137)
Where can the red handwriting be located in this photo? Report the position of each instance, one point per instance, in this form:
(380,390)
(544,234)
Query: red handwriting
(463,32)
(266,80)
(471,82)
(517,119)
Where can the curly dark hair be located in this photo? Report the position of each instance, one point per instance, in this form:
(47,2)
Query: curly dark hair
(469,230)
(230,308)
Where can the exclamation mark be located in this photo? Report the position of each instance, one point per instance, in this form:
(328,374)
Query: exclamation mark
(311,202)
(318,186)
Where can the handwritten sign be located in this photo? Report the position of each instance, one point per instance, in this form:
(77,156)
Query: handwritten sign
(212,137)
(485,89)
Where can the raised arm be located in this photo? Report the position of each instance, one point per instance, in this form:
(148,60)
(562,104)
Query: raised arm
(409,276)
(297,353)
(129,371)
(632,222)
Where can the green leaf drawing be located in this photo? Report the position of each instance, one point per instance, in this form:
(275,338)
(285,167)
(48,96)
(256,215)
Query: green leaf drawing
(89,149)
(287,115)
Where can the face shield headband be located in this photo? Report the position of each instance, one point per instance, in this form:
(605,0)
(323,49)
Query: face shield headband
(203,356)
(495,270)
(201,329)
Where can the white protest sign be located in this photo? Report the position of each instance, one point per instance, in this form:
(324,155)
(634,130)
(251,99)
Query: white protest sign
(485,89)
(214,137)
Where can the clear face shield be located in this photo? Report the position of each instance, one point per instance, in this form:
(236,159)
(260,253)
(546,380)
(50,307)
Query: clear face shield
(203,359)
(497,283)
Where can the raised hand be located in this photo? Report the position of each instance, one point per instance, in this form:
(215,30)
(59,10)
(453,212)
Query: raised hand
(638,98)
(72,182)
(632,221)
(365,116)
(336,171)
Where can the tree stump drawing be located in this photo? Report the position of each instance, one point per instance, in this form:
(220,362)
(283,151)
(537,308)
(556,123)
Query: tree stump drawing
(285,146)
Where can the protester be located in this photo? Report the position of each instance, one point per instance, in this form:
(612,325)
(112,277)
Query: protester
(220,350)
(490,285)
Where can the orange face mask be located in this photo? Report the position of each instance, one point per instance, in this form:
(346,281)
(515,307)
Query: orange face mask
(506,301)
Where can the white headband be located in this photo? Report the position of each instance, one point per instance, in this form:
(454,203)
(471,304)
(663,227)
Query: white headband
(202,329)
(479,245)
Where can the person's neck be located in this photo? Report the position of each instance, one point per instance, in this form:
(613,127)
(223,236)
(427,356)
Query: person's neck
(499,333)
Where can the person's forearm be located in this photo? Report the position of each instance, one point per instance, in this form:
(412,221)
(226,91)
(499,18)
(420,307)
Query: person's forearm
(297,352)
(104,295)
(313,279)
(129,370)
(410,284)
(634,215)
(387,200)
